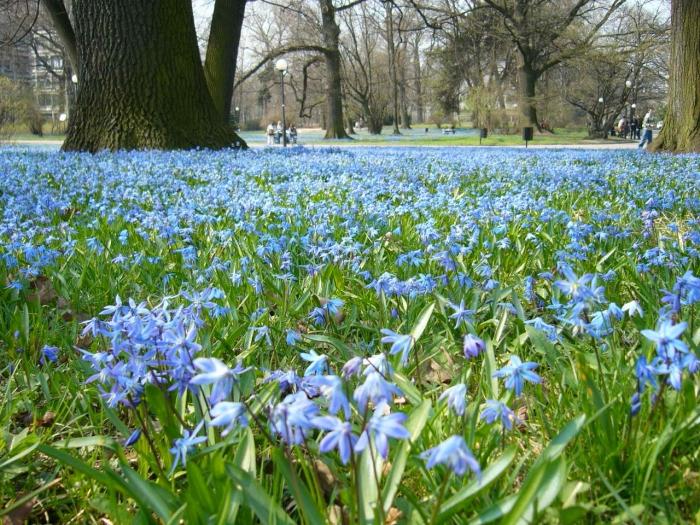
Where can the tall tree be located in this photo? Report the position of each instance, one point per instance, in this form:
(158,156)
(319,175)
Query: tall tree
(330,34)
(542,31)
(681,128)
(141,79)
(222,52)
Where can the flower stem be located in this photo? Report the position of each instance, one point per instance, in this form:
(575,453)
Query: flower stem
(438,502)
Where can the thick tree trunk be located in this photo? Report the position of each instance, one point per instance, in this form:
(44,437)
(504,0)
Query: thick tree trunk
(330,33)
(681,127)
(527,79)
(141,79)
(222,52)
(391,49)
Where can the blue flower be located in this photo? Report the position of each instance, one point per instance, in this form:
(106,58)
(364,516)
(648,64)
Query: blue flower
(382,427)
(633,309)
(516,373)
(497,410)
(339,436)
(375,389)
(461,315)
(472,346)
(215,372)
(456,397)
(228,414)
(184,445)
(331,387)
(49,354)
(292,419)
(352,367)
(319,363)
(293,337)
(454,454)
(399,343)
(667,338)
(133,438)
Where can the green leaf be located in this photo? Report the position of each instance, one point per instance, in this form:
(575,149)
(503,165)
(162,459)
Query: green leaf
(558,444)
(76,464)
(367,489)
(302,496)
(408,388)
(198,488)
(265,508)
(422,322)
(415,423)
(149,495)
(339,345)
(245,455)
(86,441)
(466,494)
(539,490)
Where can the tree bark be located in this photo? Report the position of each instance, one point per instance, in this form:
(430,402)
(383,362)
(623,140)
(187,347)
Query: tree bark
(391,49)
(222,53)
(681,127)
(405,117)
(330,33)
(527,78)
(141,79)
(418,87)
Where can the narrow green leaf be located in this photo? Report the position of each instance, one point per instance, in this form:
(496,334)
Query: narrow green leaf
(408,388)
(302,496)
(265,508)
(149,495)
(415,423)
(76,464)
(538,491)
(422,322)
(368,490)
(490,474)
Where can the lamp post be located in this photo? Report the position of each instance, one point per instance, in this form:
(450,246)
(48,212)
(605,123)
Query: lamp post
(238,117)
(281,66)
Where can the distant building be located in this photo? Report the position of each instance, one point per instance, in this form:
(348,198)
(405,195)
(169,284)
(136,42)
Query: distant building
(48,76)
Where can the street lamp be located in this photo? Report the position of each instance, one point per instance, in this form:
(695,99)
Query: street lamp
(74,79)
(281,66)
(628,84)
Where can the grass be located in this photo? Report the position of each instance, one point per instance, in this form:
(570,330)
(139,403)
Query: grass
(225,253)
(413,137)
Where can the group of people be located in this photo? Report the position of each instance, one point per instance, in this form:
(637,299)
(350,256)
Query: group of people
(636,130)
(274,133)
(628,128)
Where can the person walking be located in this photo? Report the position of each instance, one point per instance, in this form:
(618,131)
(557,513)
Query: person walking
(270,133)
(278,132)
(634,123)
(293,134)
(648,124)
(622,126)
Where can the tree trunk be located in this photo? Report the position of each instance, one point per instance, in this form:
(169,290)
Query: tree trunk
(330,33)
(681,126)
(222,53)
(141,79)
(391,48)
(417,84)
(527,78)
(405,117)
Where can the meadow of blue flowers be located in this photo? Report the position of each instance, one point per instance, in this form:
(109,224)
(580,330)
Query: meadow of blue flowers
(350,336)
